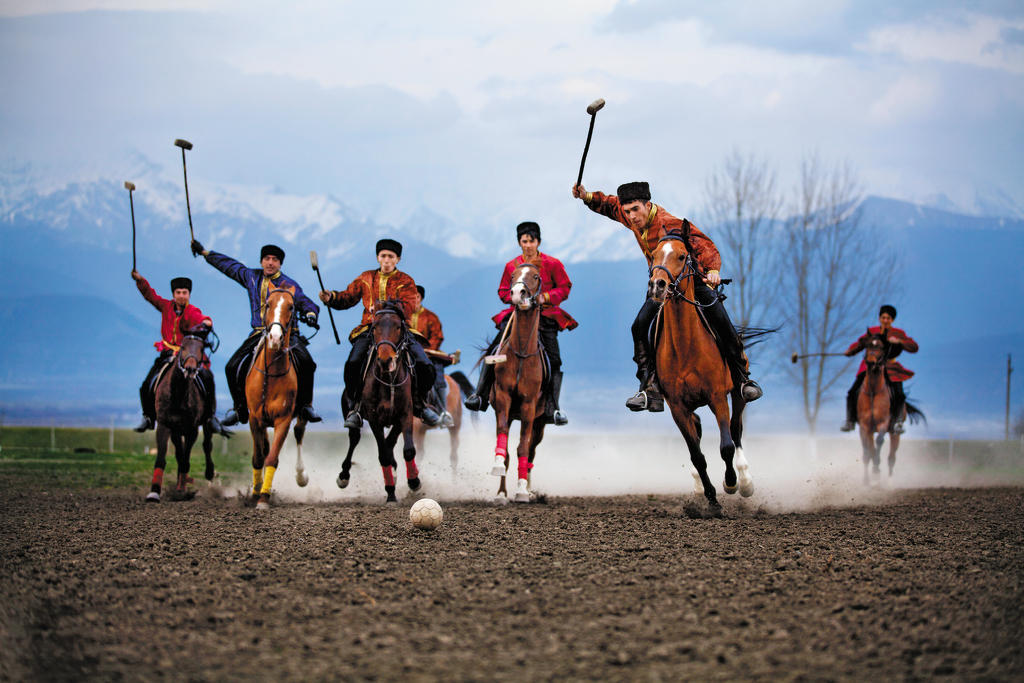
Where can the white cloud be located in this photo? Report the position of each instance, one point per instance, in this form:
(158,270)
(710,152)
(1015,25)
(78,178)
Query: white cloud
(908,98)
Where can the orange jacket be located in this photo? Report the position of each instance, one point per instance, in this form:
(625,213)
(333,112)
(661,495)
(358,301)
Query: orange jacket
(893,368)
(427,325)
(660,221)
(371,287)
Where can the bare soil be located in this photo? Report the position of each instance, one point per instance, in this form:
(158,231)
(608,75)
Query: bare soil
(100,585)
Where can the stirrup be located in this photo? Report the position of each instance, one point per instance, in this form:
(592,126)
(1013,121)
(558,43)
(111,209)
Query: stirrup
(474,402)
(646,399)
(447,420)
(897,428)
(560,418)
(429,417)
(750,391)
(309,414)
(353,421)
(146,424)
(847,426)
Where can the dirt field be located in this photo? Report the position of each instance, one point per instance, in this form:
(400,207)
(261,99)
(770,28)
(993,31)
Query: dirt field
(917,583)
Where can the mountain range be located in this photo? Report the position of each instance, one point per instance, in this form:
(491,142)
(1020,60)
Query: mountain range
(77,333)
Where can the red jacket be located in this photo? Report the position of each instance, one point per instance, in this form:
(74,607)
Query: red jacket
(893,369)
(373,286)
(555,286)
(659,222)
(173,324)
(425,323)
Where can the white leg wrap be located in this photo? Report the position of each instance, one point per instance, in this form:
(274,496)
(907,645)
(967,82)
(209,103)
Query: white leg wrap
(523,491)
(698,486)
(739,460)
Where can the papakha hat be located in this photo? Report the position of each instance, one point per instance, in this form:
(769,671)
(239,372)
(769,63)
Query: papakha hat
(635,191)
(528,228)
(886,308)
(272,250)
(181,283)
(390,245)
(423,292)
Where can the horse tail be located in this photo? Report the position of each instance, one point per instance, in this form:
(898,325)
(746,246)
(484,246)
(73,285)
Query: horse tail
(465,388)
(914,414)
(751,335)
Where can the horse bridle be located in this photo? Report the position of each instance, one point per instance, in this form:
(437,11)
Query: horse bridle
(387,342)
(266,332)
(674,288)
(182,357)
(532,296)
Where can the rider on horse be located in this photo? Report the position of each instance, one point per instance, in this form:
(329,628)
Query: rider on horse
(178,316)
(425,324)
(649,222)
(555,286)
(258,282)
(896,341)
(386,283)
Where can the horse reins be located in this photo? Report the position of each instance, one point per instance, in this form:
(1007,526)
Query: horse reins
(674,289)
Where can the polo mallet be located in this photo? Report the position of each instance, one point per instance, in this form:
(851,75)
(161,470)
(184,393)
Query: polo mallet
(185,144)
(313,261)
(795,357)
(594,107)
(130,186)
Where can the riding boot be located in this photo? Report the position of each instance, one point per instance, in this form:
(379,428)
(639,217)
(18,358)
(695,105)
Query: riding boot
(147,394)
(349,408)
(560,418)
(424,412)
(306,369)
(648,397)
(899,400)
(851,406)
(479,399)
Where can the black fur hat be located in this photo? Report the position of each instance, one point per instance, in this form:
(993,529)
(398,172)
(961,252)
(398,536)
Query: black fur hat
(272,250)
(390,245)
(423,292)
(886,308)
(181,283)
(631,192)
(528,228)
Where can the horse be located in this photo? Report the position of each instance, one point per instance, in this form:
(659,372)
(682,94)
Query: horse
(459,387)
(387,400)
(518,381)
(692,372)
(874,409)
(271,385)
(181,406)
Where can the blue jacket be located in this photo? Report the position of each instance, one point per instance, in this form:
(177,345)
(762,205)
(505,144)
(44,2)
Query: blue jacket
(251,278)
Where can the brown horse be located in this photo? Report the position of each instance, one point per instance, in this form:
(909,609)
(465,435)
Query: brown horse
(181,407)
(457,382)
(518,381)
(387,400)
(692,372)
(270,389)
(874,409)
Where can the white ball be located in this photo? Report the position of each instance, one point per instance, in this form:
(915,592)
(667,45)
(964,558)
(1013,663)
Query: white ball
(426,514)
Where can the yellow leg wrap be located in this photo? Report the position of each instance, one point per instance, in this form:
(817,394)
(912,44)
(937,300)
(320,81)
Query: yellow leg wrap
(257,480)
(268,479)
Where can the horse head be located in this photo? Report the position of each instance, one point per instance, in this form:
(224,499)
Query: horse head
(277,315)
(670,265)
(526,286)
(190,355)
(388,332)
(874,352)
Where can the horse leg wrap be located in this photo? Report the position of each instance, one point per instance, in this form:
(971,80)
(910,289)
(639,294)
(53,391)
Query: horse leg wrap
(389,475)
(257,479)
(411,471)
(524,467)
(268,479)
(502,448)
(158,477)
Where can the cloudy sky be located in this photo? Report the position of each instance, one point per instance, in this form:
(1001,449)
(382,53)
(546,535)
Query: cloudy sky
(477,109)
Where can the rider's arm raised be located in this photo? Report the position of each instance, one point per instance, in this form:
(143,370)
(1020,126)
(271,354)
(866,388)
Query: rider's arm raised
(238,272)
(149,294)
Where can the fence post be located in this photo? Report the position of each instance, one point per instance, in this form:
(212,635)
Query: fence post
(950,450)
(111,449)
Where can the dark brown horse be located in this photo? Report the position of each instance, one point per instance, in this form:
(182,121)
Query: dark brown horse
(874,409)
(270,389)
(181,407)
(518,381)
(387,400)
(692,372)
(459,387)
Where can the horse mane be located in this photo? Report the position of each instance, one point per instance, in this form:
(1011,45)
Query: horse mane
(392,306)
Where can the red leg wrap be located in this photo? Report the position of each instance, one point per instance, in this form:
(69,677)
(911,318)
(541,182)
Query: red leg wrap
(158,476)
(389,476)
(524,467)
(502,447)
(411,471)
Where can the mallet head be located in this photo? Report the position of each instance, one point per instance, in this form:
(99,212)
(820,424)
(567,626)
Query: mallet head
(313,260)
(129,185)
(595,106)
(184,144)
(794,357)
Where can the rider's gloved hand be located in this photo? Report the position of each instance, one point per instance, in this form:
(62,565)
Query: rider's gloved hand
(197,248)
(311,319)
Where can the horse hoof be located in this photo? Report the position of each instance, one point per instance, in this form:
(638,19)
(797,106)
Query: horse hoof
(414,484)
(392,500)
(522,497)
(153,497)
(747,490)
(499,466)
(301,478)
(262,505)
(729,489)
(342,482)
(501,501)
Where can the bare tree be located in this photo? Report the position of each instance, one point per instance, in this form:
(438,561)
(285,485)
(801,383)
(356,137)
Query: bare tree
(836,271)
(743,205)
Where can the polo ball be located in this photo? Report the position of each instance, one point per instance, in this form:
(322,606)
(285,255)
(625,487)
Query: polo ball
(426,514)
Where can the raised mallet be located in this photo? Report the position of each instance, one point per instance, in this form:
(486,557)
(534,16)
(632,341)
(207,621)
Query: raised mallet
(797,356)
(315,262)
(130,186)
(185,144)
(594,107)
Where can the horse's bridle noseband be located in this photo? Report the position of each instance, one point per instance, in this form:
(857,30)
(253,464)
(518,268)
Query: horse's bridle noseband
(532,296)
(674,289)
(398,348)
(182,357)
